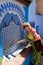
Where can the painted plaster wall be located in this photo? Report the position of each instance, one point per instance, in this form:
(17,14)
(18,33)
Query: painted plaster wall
(1,2)
(15,2)
(38,19)
(26,19)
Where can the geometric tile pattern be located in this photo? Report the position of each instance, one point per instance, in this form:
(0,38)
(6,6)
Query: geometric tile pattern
(10,35)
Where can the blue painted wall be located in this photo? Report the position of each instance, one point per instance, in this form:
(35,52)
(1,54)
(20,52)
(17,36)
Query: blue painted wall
(1,49)
(28,60)
(38,19)
(26,8)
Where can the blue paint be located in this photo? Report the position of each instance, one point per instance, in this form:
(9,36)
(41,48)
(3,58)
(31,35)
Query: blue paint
(8,6)
(2,10)
(1,49)
(26,13)
(32,24)
(19,10)
(14,7)
(37,29)
(28,60)
(4,7)
(26,8)
(0,39)
(38,19)
(7,19)
(5,22)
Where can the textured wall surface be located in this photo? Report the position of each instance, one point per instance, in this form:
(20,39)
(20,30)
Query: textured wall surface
(12,7)
(7,6)
(38,19)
